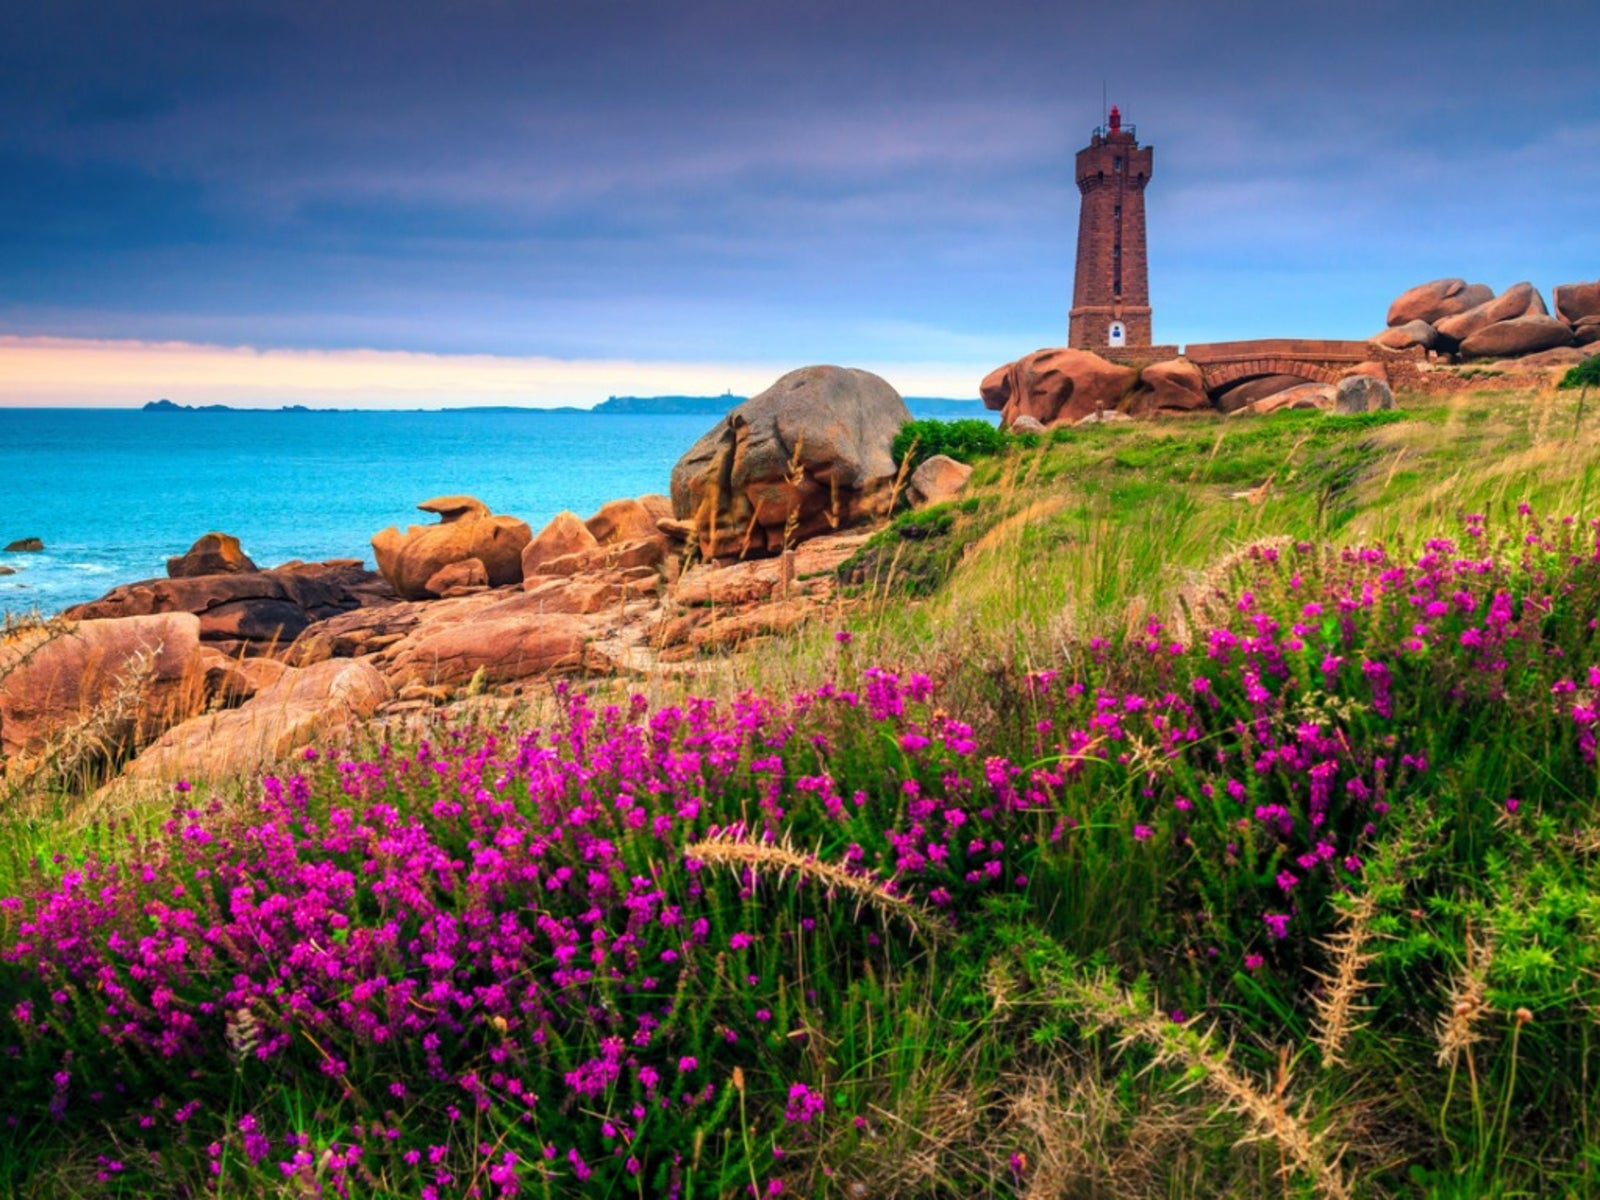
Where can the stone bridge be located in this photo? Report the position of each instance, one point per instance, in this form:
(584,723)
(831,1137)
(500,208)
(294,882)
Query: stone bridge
(1223,364)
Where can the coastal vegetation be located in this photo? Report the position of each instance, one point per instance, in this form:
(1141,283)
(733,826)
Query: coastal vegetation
(1193,808)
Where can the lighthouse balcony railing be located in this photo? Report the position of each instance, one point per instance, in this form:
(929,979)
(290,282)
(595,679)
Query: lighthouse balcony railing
(1103,132)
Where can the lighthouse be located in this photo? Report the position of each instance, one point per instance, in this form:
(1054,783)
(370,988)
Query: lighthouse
(1111,288)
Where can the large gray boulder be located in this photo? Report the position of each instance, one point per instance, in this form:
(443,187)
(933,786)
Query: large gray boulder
(808,455)
(1362,393)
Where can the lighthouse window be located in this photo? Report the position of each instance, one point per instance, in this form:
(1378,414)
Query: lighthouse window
(1117,211)
(1116,163)
(1117,335)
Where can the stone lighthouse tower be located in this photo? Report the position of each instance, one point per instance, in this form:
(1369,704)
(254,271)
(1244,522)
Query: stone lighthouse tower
(1111,290)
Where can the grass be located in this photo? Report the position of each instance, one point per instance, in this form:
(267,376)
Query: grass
(1140,829)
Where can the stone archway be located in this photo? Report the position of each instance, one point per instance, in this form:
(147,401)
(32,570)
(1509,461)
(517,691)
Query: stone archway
(1223,375)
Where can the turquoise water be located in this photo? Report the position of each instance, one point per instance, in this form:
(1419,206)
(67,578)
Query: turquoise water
(114,493)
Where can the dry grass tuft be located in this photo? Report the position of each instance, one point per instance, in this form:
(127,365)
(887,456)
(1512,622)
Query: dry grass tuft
(783,859)
(1267,1110)
(1339,1007)
(1468,1000)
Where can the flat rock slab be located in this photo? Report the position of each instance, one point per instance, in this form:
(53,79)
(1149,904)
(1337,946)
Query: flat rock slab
(300,706)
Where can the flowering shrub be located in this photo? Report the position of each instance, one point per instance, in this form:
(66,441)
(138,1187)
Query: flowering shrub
(548,961)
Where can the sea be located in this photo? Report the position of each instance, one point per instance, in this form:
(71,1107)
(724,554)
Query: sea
(113,493)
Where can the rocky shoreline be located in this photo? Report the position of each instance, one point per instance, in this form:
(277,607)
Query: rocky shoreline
(223,667)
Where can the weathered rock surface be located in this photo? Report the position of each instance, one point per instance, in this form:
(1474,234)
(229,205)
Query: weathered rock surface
(27,545)
(213,554)
(1561,356)
(513,639)
(1241,395)
(1362,393)
(1306,395)
(1403,337)
(1518,300)
(1373,370)
(465,530)
(1518,336)
(1587,331)
(451,509)
(629,520)
(1056,387)
(1437,299)
(809,455)
(566,535)
(458,578)
(298,707)
(937,478)
(1576,301)
(1175,385)
(251,612)
(1027,424)
(51,685)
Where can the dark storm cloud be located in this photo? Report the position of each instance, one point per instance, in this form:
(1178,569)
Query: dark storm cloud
(760,180)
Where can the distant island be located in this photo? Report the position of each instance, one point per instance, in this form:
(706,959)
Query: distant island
(711,406)
(715,406)
(167,406)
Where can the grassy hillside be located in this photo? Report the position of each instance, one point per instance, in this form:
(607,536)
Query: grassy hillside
(1197,809)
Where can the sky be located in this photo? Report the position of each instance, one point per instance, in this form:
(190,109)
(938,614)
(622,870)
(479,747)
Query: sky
(540,202)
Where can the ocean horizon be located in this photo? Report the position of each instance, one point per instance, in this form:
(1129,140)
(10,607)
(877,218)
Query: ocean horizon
(114,492)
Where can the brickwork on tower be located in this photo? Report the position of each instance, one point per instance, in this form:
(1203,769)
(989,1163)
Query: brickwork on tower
(1112,283)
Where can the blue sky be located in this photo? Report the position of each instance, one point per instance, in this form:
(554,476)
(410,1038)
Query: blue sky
(658,195)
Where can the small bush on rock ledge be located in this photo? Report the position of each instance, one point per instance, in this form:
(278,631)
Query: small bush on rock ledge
(966,441)
(1585,375)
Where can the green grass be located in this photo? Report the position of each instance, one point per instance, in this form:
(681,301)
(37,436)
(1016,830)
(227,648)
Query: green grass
(1036,1053)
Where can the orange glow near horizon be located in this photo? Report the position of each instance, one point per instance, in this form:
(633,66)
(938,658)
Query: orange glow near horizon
(53,372)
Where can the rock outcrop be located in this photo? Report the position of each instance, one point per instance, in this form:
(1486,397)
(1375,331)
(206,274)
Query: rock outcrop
(213,554)
(629,520)
(297,707)
(1243,395)
(1056,387)
(1520,335)
(512,639)
(128,677)
(1304,395)
(1404,337)
(808,455)
(466,529)
(1518,300)
(937,478)
(252,612)
(1175,385)
(1433,301)
(27,545)
(567,537)
(1577,302)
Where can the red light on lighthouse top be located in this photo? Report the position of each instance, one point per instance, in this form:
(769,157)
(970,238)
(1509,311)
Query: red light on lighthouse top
(1116,119)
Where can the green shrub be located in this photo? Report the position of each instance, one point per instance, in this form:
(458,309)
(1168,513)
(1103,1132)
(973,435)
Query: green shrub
(964,440)
(1585,374)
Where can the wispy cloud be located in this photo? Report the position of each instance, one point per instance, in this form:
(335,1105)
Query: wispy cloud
(84,372)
